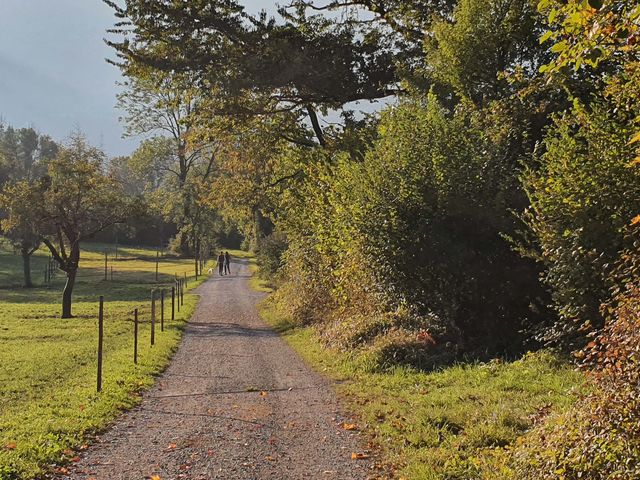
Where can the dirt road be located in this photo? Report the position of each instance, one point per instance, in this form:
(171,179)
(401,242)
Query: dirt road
(235,403)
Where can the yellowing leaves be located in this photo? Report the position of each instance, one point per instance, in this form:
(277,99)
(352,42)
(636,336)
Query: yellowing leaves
(155,477)
(349,426)
(634,139)
(635,220)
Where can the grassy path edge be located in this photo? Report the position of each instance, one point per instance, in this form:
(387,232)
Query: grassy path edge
(457,423)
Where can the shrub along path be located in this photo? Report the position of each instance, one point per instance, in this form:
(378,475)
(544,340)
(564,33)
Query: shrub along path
(236,403)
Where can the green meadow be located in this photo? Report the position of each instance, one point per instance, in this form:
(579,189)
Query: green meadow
(48,400)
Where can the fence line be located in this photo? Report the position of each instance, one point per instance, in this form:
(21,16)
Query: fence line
(179,286)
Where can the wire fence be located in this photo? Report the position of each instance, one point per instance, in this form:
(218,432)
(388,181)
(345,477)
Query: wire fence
(143,268)
(168,277)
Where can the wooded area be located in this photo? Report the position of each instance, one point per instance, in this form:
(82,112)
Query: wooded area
(492,207)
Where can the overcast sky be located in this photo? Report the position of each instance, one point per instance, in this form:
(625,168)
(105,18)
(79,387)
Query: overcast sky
(53,73)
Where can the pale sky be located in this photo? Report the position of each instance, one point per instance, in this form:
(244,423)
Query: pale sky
(53,73)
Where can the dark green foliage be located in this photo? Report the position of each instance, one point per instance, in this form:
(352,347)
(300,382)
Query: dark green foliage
(489,52)
(583,194)
(269,254)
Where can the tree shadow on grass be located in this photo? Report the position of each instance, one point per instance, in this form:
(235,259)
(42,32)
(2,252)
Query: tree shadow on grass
(136,286)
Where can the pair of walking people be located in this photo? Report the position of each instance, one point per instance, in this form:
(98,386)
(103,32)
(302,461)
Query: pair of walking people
(224,259)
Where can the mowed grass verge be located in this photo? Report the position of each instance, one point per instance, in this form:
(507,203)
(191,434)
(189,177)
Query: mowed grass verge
(456,423)
(48,399)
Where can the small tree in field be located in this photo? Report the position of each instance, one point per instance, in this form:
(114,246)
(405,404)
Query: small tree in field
(20,227)
(72,203)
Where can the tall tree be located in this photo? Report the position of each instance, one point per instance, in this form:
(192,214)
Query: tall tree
(165,105)
(24,154)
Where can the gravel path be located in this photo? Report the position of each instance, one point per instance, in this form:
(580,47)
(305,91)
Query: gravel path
(235,403)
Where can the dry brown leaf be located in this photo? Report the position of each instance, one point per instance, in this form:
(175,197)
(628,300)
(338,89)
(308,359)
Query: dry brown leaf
(155,477)
(270,458)
(10,446)
(75,459)
(349,426)
(359,456)
(264,393)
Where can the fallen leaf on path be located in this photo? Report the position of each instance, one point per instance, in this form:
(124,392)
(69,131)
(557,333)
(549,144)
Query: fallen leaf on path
(349,426)
(155,477)
(172,446)
(270,458)
(75,459)
(264,393)
(359,456)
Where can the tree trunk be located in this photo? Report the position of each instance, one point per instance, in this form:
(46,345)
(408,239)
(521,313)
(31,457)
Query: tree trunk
(72,270)
(66,293)
(26,267)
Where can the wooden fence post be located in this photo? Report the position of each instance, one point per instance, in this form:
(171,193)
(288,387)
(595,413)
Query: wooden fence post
(135,336)
(185,279)
(153,317)
(100,338)
(178,294)
(162,310)
(182,294)
(173,303)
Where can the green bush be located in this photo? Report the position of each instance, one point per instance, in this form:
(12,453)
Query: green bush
(598,438)
(428,209)
(269,254)
(418,226)
(583,194)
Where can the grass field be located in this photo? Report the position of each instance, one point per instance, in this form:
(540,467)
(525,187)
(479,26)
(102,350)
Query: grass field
(48,399)
(457,423)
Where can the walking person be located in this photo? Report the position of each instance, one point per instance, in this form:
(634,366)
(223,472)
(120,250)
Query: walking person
(227,261)
(221,263)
